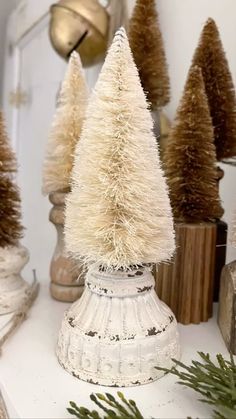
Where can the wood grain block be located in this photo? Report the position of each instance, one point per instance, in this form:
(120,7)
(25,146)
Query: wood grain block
(186,284)
(227,306)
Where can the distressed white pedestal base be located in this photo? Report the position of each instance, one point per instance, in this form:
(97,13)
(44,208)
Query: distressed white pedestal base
(119,331)
(13,289)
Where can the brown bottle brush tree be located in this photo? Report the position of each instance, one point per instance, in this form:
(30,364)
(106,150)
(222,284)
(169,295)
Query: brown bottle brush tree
(10,214)
(210,56)
(147,46)
(190,157)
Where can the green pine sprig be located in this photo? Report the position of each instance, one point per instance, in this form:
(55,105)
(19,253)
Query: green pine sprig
(215,382)
(113,408)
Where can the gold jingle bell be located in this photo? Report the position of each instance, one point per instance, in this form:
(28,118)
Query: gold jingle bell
(82,26)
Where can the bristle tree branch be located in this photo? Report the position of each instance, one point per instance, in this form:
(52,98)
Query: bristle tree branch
(10,213)
(190,157)
(146,43)
(211,58)
(66,129)
(118,213)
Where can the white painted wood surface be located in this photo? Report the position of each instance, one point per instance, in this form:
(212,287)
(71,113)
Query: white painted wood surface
(13,288)
(37,386)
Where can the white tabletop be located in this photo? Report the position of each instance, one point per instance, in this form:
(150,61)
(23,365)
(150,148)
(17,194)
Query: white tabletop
(35,386)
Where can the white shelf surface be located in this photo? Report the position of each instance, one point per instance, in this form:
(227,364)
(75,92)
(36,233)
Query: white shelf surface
(36,387)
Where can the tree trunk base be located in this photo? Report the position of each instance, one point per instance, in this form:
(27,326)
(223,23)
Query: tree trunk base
(66,294)
(186,284)
(67,276)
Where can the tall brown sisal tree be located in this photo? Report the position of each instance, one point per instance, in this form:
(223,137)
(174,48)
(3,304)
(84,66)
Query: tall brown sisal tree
(147,46)
(10,215)
(210,56)
(190,158)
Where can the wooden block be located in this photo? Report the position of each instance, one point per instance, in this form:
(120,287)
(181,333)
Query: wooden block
(221,247)
(227,306)
(186,284)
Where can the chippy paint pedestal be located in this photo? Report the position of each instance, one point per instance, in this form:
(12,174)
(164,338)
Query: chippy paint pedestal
(67,279)
(227,306)
(13,289)
(119,331)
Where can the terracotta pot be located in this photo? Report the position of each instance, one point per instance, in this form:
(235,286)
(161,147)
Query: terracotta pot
(13,289)
(119,331)
(67,278)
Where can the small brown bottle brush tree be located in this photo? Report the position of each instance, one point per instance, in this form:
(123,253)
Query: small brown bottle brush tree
(119,221)
(65,133)
(211,58)
(190,167)
(13,257)
(227,301)
(146,43)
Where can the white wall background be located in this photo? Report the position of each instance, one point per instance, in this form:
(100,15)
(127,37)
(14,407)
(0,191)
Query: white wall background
(6,7)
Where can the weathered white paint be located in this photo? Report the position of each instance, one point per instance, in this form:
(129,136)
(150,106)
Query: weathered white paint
(13,289)
(119,331)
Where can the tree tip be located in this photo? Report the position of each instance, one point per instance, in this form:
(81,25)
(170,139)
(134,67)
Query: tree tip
(210,23)
(75,57)
(120,34)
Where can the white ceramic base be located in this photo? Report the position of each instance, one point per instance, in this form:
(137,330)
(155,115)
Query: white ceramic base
(119,331)
(13,289)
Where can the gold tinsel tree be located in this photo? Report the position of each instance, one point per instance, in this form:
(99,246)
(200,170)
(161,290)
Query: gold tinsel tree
(211,58)
(190,157)
(148,49)
(66,129)
(10,214)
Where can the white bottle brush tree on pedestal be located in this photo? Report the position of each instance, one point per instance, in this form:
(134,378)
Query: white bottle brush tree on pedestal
(13,256)
(65,133)
(119,221)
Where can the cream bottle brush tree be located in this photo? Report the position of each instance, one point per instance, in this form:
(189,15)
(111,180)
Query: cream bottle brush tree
(66,129)
(64,135)
(118,221)
(118,213)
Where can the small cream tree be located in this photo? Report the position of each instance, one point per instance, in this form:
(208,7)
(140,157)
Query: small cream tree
(118,213)
(64,135)
(66,129)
